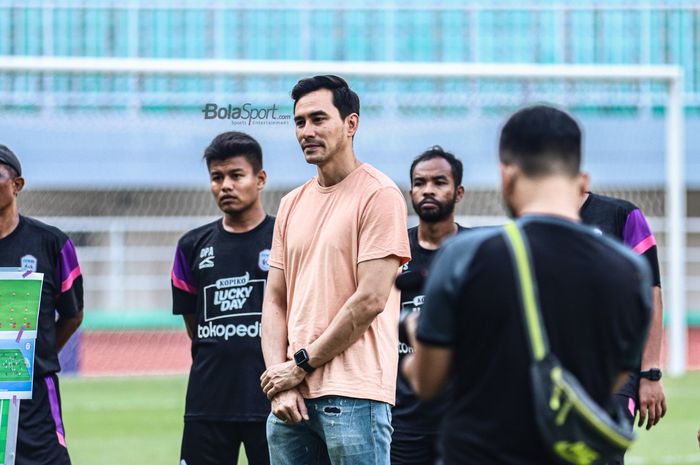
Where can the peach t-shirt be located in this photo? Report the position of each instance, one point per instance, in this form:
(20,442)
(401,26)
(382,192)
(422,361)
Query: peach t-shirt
(321,234)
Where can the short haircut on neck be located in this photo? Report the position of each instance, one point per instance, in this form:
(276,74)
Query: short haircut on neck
(542,141)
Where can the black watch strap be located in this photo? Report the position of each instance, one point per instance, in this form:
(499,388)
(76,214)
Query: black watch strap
(652,374)
(301,358)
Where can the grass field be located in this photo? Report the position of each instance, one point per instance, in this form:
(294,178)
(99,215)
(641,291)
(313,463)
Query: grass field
(139,420)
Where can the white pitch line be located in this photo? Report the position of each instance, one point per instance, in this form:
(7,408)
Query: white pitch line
(668,460)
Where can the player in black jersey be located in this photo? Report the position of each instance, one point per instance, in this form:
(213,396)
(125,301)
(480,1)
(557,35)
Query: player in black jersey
(28,243)
(643,391)
(218,282)
(594,296)
(436,186)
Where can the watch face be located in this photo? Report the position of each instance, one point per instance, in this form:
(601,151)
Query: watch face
(301,357)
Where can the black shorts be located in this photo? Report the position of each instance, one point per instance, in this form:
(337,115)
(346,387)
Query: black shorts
(415,449)
(218,442)
(628,400)
(41,438)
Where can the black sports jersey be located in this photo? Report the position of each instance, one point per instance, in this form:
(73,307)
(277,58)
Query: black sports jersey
(221,277)
(595,297)
(45,249)
(625,222)
(409,413)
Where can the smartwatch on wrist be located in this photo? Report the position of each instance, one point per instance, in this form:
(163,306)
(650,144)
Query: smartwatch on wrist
(301,358)
(652,374)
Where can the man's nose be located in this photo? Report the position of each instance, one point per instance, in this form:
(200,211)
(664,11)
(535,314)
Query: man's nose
(429,190)
(308,131)
(228,183)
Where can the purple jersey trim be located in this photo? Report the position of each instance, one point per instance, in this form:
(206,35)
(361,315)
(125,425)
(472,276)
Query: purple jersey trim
(68,265)
(181,274)
(637,234)
(55,410)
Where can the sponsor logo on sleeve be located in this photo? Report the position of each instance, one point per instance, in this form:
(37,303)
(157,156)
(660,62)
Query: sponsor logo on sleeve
(263,258)
(207,256)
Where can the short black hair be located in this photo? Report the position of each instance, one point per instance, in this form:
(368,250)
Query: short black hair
(234,144)
(344,98)
(437,152)
(542,140)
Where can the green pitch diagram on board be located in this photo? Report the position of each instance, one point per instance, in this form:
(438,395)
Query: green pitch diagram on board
(19,304)
(12,366)
(20,297)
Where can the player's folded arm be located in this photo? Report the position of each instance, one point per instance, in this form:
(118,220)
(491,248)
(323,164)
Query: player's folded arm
(274,323)
(375,279)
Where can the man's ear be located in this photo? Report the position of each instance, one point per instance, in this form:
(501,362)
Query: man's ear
(459,194)
(508,173)
(585,183)
(262,179)
(17,185)
(352,123)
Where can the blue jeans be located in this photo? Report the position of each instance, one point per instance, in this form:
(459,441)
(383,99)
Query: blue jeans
(340,431)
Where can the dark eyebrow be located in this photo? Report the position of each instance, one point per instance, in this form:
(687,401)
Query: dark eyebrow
(439,177)
(311,115)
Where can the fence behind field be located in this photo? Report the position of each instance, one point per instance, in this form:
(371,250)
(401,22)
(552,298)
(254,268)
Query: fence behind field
(126,262)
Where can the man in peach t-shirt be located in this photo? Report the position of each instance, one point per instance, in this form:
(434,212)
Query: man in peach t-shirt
(330,312)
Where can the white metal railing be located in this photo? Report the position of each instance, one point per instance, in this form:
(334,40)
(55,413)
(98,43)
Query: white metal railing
(116,254)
